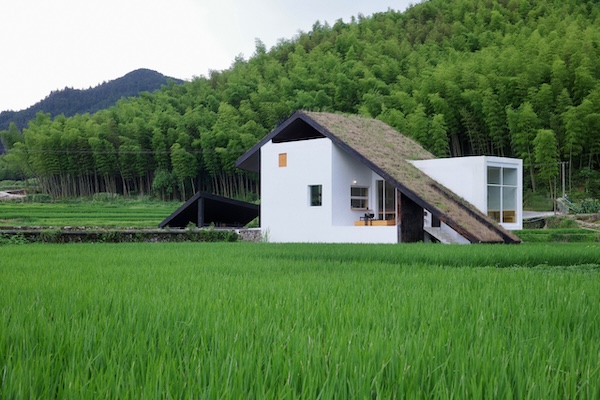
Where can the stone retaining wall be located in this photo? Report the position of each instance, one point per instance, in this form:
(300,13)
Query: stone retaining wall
(250,235)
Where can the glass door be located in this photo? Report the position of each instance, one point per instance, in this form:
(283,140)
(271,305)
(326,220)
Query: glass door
(386,201)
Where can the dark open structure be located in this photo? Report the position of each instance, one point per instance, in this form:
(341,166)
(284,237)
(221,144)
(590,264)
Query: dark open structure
(204,209)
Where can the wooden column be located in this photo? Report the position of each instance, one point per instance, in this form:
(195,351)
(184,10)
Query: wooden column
(200,213)
(410,217)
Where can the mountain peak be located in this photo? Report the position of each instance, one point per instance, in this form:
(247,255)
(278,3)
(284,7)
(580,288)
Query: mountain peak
(69,101)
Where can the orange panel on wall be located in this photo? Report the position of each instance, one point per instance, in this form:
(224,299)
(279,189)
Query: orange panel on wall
(283,159)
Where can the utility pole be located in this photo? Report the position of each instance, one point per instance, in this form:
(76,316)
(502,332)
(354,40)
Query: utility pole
(562,165)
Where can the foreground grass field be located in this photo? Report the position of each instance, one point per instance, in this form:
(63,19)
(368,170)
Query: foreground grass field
(245,320)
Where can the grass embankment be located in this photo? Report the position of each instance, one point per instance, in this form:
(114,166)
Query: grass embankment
(563,228)
(125,213)
(558,235)
(253,320)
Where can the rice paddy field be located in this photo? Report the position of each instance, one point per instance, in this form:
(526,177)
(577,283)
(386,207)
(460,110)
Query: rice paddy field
(260,320)
(127,213)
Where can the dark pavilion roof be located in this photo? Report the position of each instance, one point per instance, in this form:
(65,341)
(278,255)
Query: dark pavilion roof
(386,151)
(205,209)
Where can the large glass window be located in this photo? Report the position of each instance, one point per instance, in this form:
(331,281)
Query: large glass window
(386,201)
(315,195)
(502,194)
(359,198)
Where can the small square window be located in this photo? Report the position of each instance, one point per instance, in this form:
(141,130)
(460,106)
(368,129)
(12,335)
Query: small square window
(359,198)
(283,159)
(315,193)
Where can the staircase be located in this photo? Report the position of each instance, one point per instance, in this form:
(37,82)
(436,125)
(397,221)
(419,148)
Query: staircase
(442,236)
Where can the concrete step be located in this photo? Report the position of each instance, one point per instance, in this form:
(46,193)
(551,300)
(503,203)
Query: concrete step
(441,235)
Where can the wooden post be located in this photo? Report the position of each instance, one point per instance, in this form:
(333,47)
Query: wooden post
(200,213)
(399,215)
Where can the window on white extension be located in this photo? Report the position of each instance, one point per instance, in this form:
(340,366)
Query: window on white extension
(502,194)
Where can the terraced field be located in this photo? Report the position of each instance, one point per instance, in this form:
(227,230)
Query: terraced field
(90,214)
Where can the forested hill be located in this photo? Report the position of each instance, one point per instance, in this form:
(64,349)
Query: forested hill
(463,77)
(70,101)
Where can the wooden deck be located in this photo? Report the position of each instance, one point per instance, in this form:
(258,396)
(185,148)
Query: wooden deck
(376,222)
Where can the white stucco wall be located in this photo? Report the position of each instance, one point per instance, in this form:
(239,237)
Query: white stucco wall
(286,214)
(467,177)
(347,172)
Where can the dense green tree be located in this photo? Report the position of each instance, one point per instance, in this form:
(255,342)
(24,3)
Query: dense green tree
(495,120)
(546,157)
(439,136)
(418,125)
(163,184)
(184,168)
(106,163)
(9,137)
(524,124)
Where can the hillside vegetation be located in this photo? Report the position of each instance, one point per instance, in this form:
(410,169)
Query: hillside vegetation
(463,77)
(69,101)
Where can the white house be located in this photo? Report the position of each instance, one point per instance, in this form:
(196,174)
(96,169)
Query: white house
(343,178)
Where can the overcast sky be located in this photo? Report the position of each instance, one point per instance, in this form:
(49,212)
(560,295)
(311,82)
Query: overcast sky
(52,44)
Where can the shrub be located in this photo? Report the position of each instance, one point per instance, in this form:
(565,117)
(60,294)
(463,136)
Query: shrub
(560,223)
(589,206)
(13,239)
(213,235)
(50,235)
(110,237)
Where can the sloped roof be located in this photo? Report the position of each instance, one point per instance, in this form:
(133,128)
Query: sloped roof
(205,208)
(386,151)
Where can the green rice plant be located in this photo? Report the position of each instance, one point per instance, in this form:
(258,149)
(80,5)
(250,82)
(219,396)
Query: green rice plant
(259,320)
(525,255)
(559,235)
(103,214)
